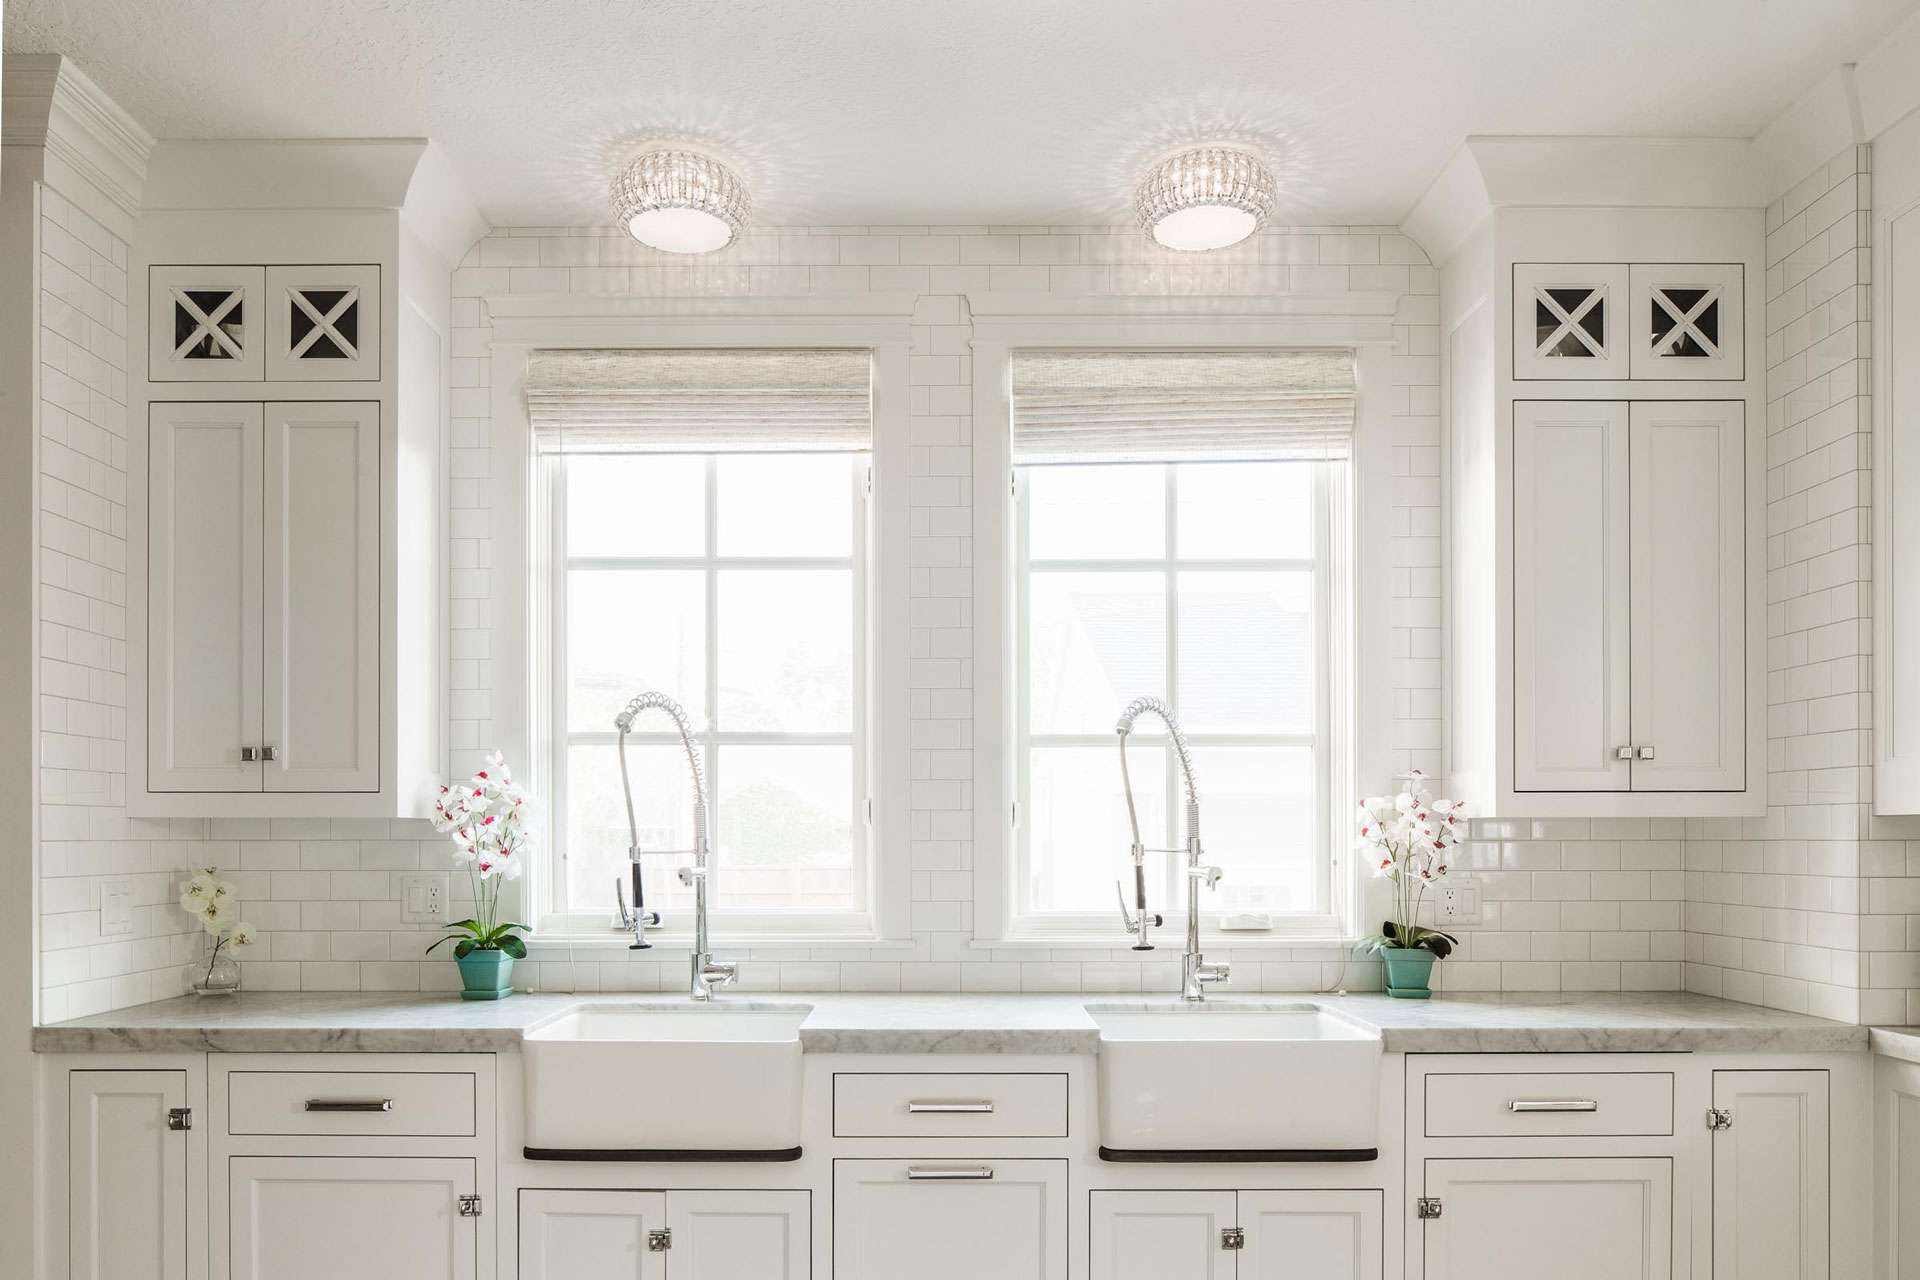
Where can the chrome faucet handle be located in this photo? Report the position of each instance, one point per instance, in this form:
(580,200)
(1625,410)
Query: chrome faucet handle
(1211,875)
(691,875)
(1212,972)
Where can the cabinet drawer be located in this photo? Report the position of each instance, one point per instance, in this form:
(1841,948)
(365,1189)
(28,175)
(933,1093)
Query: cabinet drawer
(400,1104)
(1550,1104)
(918,1104)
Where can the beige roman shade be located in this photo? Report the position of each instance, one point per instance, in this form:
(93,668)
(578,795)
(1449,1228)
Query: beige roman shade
(1160,406)
(700,401)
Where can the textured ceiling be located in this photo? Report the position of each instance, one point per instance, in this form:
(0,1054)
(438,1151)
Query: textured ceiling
(846,112)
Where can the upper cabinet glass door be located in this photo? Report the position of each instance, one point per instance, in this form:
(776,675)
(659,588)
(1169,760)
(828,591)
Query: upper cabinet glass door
(1688,322)
(203,324)
(1567,321)
(323,324)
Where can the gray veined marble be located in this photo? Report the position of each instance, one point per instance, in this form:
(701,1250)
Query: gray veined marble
(344,1022)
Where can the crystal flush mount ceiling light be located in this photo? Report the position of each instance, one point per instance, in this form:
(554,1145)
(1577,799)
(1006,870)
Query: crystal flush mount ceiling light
(680,202)
(1204,198)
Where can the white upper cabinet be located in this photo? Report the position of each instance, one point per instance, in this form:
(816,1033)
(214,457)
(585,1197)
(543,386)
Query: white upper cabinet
(322,324)
(204,323)
(1688,598)
(204,619)
(1568,320)
(322,632)
(287,550)
(263,603)
(1571,703)
(1629,596)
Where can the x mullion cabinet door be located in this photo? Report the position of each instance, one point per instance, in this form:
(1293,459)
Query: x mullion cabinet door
(204,323)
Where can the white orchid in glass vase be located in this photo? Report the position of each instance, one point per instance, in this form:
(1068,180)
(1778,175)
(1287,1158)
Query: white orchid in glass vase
(1411,838)
(486,818)
(212,903)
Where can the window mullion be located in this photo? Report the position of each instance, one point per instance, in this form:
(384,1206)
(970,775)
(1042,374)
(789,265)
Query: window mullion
(1171,581)
(709,737)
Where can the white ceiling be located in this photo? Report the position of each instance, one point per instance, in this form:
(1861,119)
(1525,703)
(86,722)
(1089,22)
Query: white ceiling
(844,112)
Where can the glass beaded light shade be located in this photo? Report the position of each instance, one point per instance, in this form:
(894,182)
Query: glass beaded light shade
(1205,198)
(680,201)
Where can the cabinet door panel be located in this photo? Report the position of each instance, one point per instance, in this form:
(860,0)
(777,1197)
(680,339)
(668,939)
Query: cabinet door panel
(322,590)
(1005,1218)
(591,1235)
(203,596)
(126,1176)
(1160,1235)
(1689,595)
(1572,1219)
(1770,1176)
(1570,580)
(325,1217)
(323,324)
(1329,1235)
(721,1235)
(204,323)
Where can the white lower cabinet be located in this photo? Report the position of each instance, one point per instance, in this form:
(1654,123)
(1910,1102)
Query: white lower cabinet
(369,1217)
(1572,1218)
(1770,1175)
(127,1175)
(1235,1235)
(670,1235)
(949,1219)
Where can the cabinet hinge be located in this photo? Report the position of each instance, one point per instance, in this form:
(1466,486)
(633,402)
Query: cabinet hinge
(179,1119)
(1427,1208)
(470,1206)
(660,1241)
(1719,1118)
(1233,1237)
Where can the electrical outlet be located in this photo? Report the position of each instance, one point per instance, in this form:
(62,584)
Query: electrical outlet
(1459,904)
(116,908)
(423,897)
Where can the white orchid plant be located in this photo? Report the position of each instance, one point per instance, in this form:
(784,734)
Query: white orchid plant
(211,901)
(1411,837)
(486,818)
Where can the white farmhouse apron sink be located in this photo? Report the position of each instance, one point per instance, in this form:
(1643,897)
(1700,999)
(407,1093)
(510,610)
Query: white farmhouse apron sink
(624,1078)
(1292,1078)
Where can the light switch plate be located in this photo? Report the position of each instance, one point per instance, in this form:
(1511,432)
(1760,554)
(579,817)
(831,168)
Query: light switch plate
(1459,903)
(423,897)
(116,908)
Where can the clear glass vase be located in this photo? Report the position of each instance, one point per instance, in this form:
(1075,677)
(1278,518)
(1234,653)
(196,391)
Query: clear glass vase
(215,973)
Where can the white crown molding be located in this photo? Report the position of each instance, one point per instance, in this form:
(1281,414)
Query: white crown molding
(440,209)
(1887,80)
(283,173)
(46,101)
(1815,128)
(1586,173)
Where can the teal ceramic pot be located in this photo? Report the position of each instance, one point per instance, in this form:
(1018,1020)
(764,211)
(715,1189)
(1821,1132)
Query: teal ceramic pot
(1408,971)
(486,975)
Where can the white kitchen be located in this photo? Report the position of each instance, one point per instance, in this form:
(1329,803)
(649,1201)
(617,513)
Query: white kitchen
(1087,641)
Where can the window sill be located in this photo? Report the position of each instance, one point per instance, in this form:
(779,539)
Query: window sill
(722,941)
(1164,940)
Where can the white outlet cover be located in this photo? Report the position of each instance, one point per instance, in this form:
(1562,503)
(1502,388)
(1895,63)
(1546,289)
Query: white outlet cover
(423,897)
(1459,904)
(116,908)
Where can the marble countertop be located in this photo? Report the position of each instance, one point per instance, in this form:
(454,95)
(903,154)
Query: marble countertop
(1897,1042)
(321,1022)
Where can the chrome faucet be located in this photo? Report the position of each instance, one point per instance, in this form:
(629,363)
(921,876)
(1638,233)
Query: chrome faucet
(706,972)
(1195,972)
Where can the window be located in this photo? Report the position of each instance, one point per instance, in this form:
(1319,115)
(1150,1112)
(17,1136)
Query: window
(1210,584)
(703,532)
(734,584)
(1180,530)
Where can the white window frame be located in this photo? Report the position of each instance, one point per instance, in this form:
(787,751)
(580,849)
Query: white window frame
(550,610)
(1330,565)
(521,324)
(1004,323)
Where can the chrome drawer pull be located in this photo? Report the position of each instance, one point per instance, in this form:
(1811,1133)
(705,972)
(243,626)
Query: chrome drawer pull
(978,1174)
(950,1108)
(1522,1105)
(355,1105)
